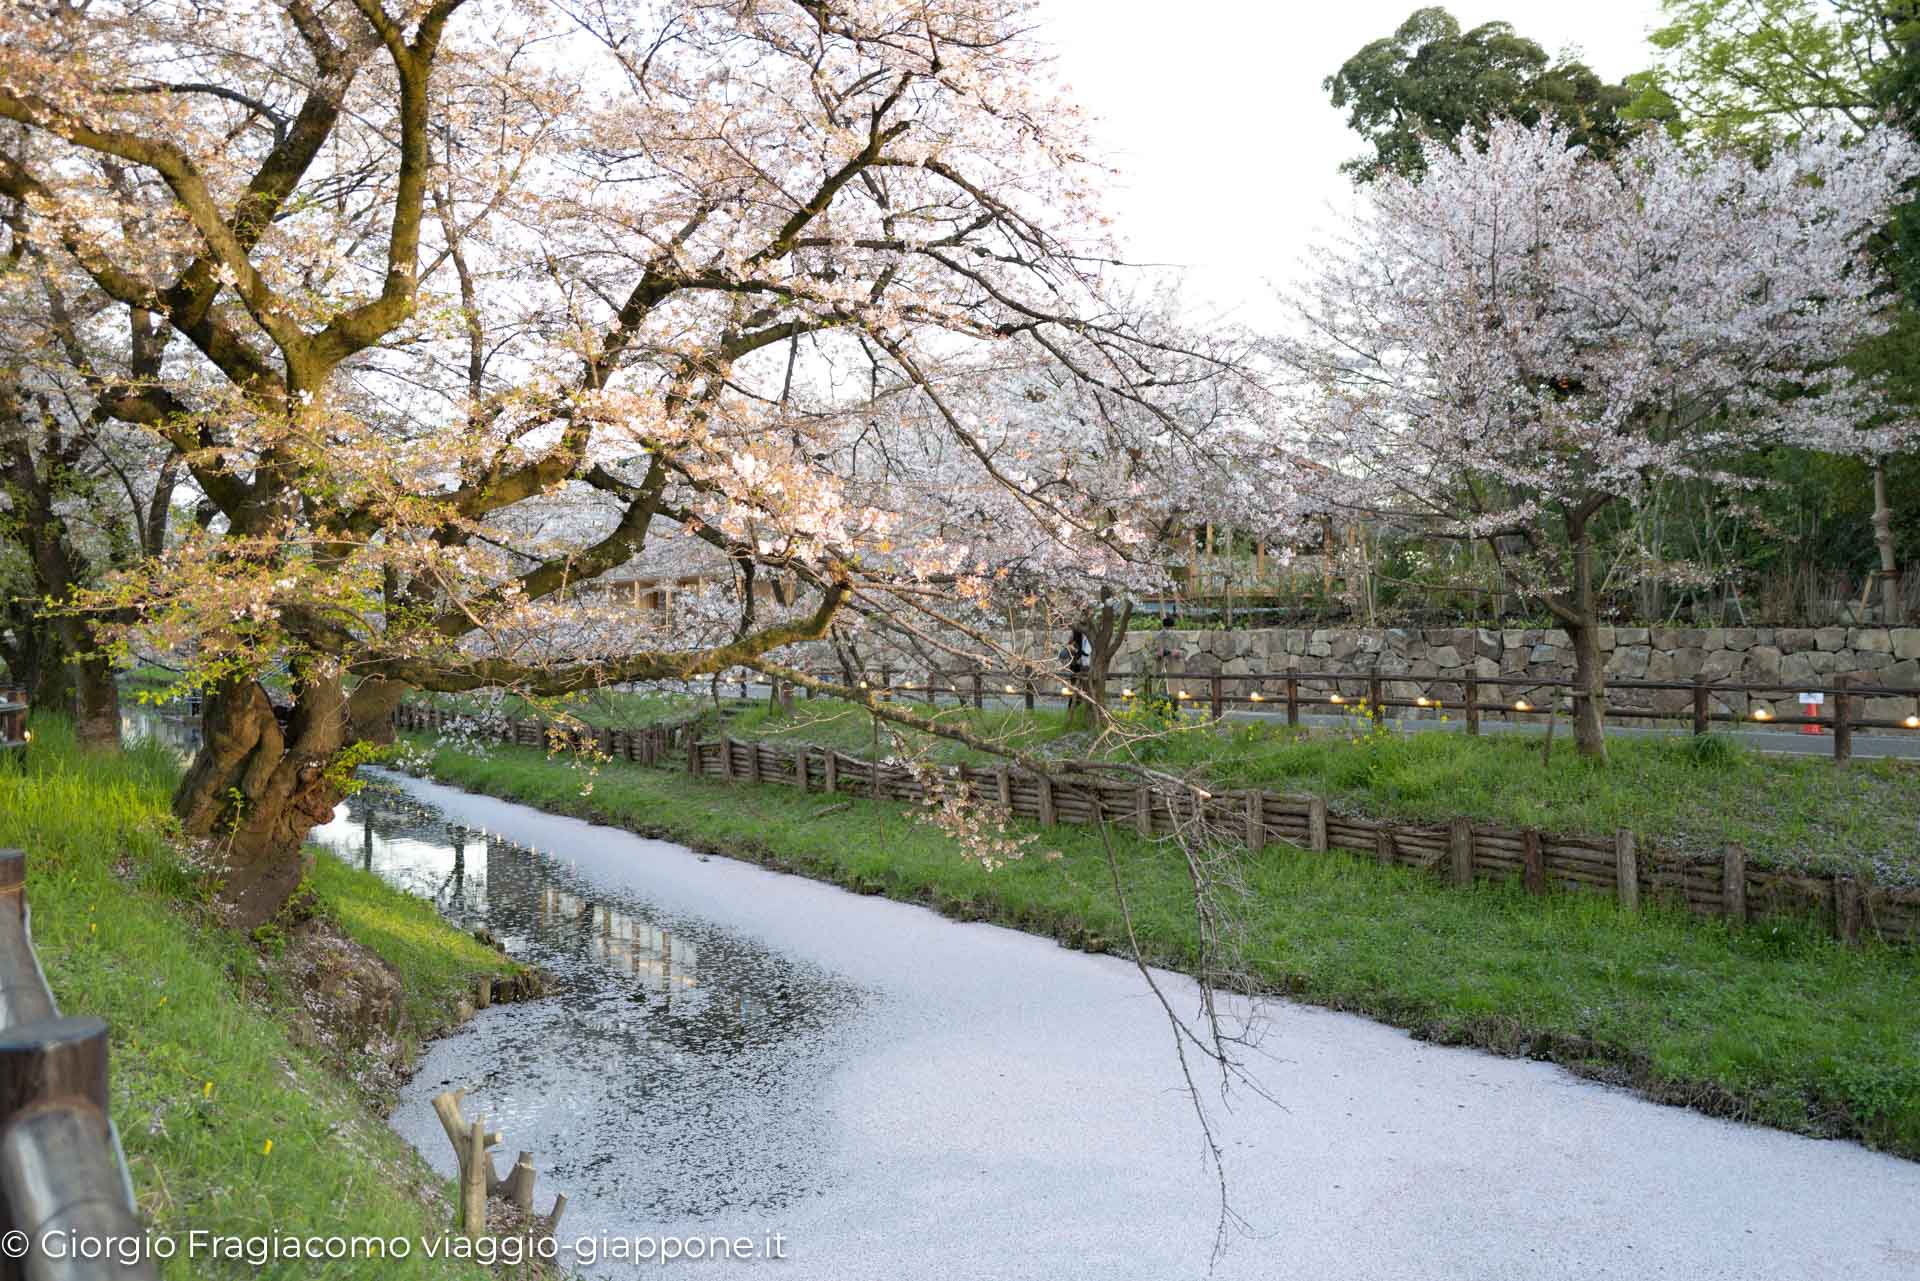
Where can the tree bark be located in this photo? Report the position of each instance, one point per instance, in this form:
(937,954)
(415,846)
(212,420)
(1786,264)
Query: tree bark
(1589,691)
(1580,615)
(255,790)
(1105,630)
(1890,611)
(52,679)
(96,695)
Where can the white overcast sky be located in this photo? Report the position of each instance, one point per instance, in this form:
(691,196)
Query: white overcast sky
(1214,111)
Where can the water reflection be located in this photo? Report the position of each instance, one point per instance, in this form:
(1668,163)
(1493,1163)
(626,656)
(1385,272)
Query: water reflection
(170,725)
(676,1069)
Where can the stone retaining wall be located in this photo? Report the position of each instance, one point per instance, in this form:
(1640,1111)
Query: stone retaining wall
(1801,656)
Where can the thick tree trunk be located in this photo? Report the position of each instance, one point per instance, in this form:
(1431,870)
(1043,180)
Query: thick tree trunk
(52,681)
(255,790)
(96,711)
(1589,691)
(1105,629)
(1890,611)
(1580,614)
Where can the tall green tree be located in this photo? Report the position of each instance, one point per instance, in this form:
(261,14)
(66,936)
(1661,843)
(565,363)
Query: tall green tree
(1431,80)
(1757,73)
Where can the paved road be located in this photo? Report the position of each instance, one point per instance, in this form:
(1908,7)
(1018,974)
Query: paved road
(1783,740)
(905,1097)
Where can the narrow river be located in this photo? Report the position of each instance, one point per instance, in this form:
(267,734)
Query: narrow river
(732,1052)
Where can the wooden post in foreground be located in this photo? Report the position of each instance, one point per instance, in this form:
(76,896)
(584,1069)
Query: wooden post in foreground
(1317,825)
(1733,884)
(1534,868)
(1849,912)
(1626,870)
(1842,721)
(1460,850)
(478,1181)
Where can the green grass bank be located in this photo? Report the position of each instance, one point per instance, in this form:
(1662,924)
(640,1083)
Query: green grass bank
(211,1056)
(1778,1025)
(1679,793)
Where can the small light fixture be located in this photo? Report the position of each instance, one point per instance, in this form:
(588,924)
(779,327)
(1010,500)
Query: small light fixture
(1521,705)
(1255,697)
(1912,722)
(863,684)
(26,735)
(1011,690)
(1065,692)
(1126,693)
(1335,698)
(1420,701)
(1181,694)
(1763,713)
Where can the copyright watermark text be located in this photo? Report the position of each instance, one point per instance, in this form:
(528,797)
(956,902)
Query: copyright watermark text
(262,1248)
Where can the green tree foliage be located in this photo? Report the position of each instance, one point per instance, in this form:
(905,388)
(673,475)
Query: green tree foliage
(1430,79)
(1753,72)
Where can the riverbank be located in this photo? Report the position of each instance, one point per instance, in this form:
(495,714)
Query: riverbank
(1777,1025)
(1685,795)
(249,1073)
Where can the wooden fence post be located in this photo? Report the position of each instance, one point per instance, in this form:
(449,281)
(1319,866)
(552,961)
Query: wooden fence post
(1383,845)
(1293,700)
(753,763)
(1460,850)
(979,694)
(1143,810)
(1473,705)
(1047,817)
(1215,699)
(1029,692)
(1848,910)
(1003,787)
(1317,825)
(833,771)
(693,755)
(1534,867)
(726,758)
(1699,705)
(1733,884)
(1842,720)
(1256,820)
(800,767)
(1376,695)
(1626,870)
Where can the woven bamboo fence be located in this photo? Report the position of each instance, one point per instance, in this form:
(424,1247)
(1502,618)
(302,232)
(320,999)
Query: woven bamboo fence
(1459,852)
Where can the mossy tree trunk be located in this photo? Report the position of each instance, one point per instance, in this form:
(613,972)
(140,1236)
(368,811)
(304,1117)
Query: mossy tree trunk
(259,784)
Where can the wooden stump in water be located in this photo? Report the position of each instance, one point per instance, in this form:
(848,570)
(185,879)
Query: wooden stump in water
(479,1182)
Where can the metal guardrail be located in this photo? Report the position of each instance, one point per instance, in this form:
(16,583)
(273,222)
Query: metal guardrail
(62,1175)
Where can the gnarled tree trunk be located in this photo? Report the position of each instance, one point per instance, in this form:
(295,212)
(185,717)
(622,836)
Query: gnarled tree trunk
(1105,629)
(257,788)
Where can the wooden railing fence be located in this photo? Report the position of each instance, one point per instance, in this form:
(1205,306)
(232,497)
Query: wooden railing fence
(1470,700)
(1460,851)
(61,1171)
(13,719)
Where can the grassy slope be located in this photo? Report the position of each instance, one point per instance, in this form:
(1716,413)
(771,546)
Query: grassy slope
(1679,794)
(203,1073)
(1776,1025)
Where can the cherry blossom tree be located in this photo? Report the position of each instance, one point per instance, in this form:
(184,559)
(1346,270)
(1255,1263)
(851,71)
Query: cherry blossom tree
(79,490)
(1525,337)
(475,299)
